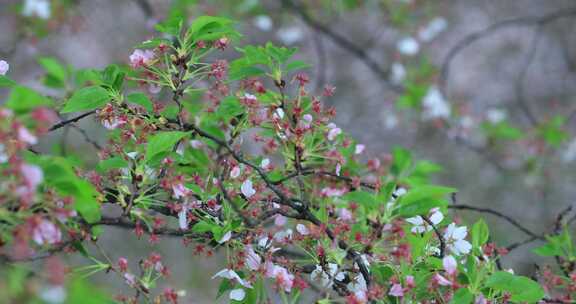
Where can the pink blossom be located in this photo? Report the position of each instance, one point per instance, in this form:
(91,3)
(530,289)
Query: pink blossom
(114,122)
(4,67)
(46,233)
(284,278)
(180,190)
(450,264)
(302,229)
(333,132)
(25,136)
(154,88)
(396,291)
(480,299)
(141,58)
(410,283)
(359,149)
(253,260)
(32,175)
(333,192)
(344,214)
(441,280)
(280,220)
(235,172)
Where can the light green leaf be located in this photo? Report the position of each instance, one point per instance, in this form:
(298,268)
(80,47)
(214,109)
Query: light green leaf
(86,99)
(23,99)
(162,143)
(480,233)
(141,99)
(521,288)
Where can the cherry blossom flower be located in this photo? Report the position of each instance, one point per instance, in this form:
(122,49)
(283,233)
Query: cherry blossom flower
(263,23)
(433,29)
(46,233)
(4,67)
(37,8)
(398,73)
(237,294)
(455,239)
(3,155)
(225,238)
(408,46)
(480,299)
(280,220)
(231,275)
(435,105)
(290,35)
(32,175)
(441,280)
(25,136)
(247,189)
(495,115)
(283,235)
(396,291)
(196,144)
(307,120)
(333,132)
(180,190)
(265,164)
(183,217)
(253,260)
(235,172)
(141,58)
(284,279)
(344,215)
(332,192)
(114,122)
(326,278)
(359,148)
(359,288)
(302,229)
(421,226)
(53,294)
(449,264)
(130,279)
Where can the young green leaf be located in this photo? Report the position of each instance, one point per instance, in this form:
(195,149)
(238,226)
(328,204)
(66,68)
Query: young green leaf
(86,99)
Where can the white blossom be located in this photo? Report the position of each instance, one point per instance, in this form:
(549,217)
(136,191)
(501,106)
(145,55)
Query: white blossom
(455,239)
(421,226)
(4,67)
(435,105)
(263,22)
(37,8)
(433,29)
(231,275)
(247,188)
(290,35)
(408,46)
(237,294)
(325,278)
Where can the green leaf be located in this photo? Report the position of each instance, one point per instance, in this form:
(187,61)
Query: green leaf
(141,99)
(23,99)
(112,163)
(86,99)
(402,159)
(502,130)
(84,292)
(60,174)
(161,143)
(462,296)
(363,198)
(56,72)
(480,233)
(230,107)
(6,82)
(205,24)
(296,65)
(522,289)
(420,200)
(382,273)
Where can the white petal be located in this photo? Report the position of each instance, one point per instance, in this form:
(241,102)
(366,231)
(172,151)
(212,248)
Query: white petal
(237,294)
(436,217)
(247,189)
(226,237)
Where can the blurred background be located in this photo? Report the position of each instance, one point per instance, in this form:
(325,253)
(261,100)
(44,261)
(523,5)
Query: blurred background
(483,88)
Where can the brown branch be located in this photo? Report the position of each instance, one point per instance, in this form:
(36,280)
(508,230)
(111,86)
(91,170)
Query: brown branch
(438,235)
(71,120)
(499,214)
(344,43)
